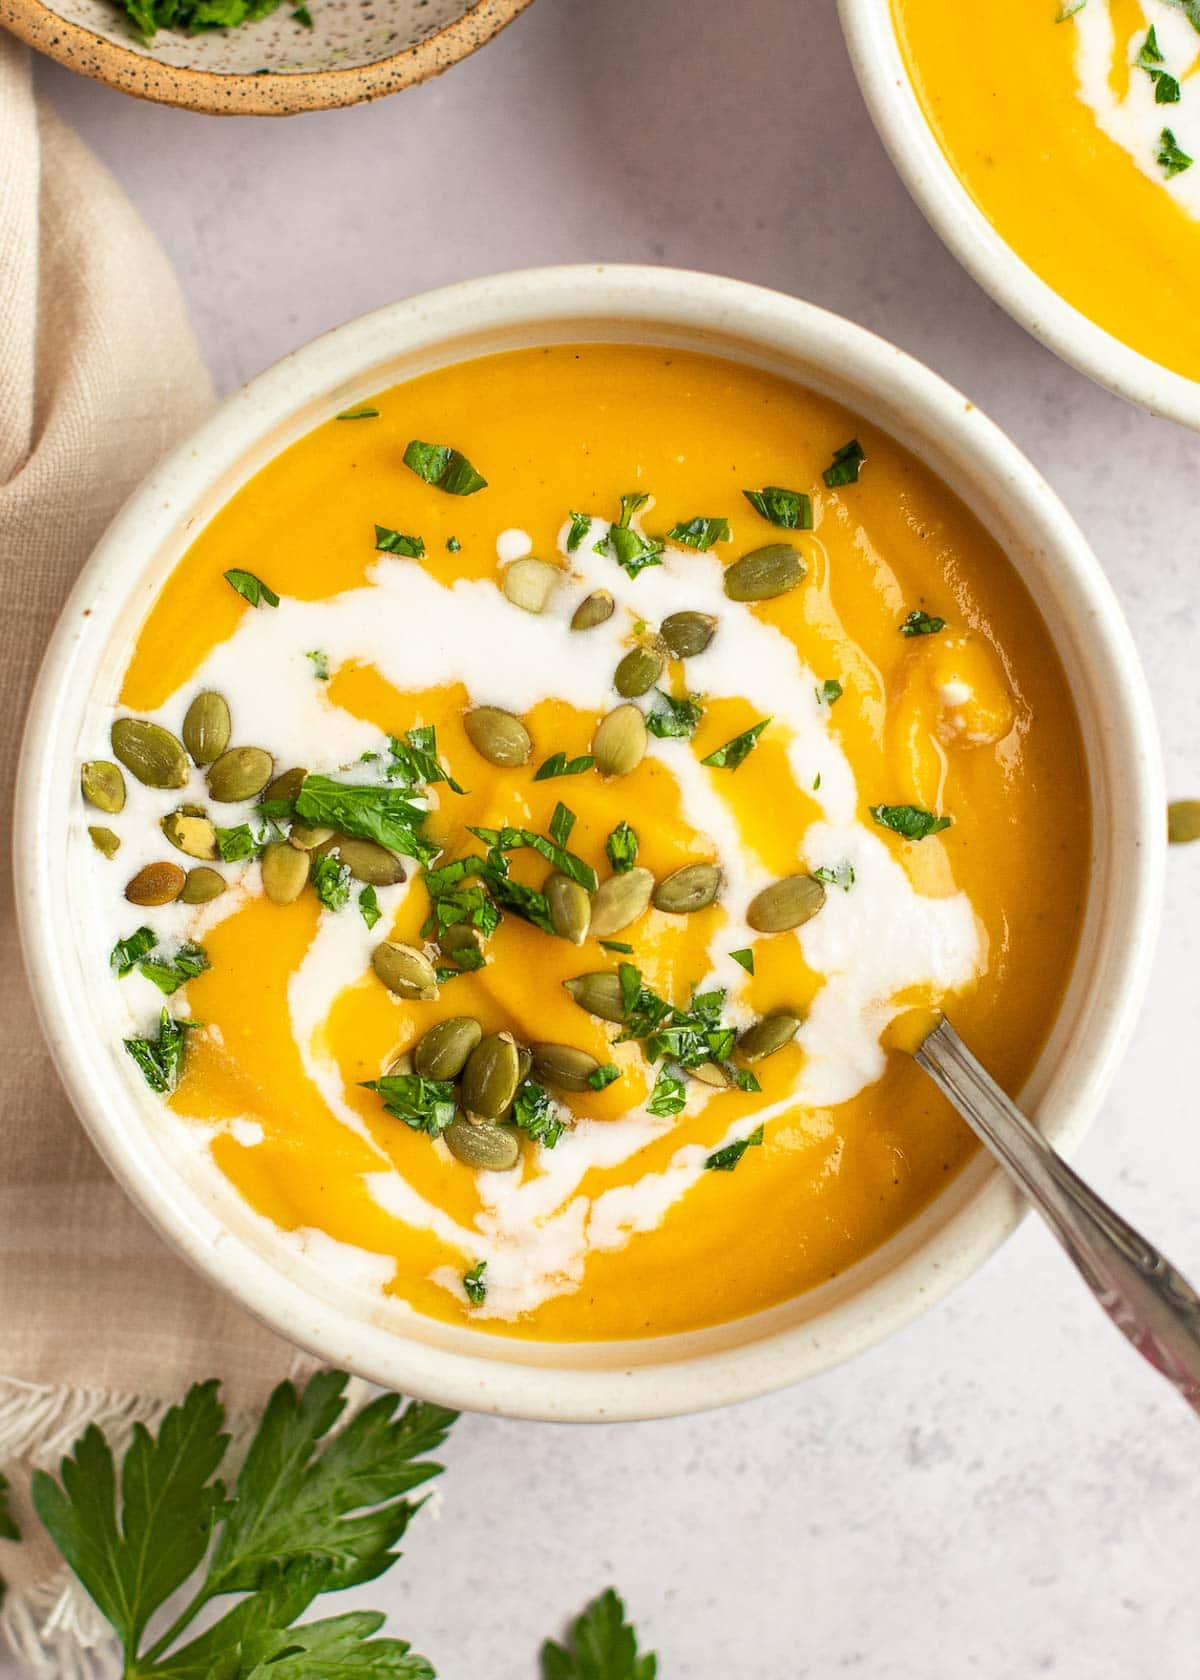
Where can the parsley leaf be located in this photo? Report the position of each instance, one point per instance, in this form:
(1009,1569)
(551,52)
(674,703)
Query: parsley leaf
(1171,159)
(829,693)
(1149,59)
(789,509)
(235,844)
(670,718)
(251,588)
(920,623)
(169,973)
(427,1105)
(1068,10)
(161,1058)
(580,526)
(601,1646)
(733,752)
(395,542)
(415,760)
(499,840)
(444,467)
(452,903)
(846,465)
(726,1158)
(383,814)
(320,664)
(127,952)
(453,545)
(535,1113)
(840,876)
(621,848)
(366,412)
(744,958)
(331,880)
(558,764)
(699,533)
(669,1095)
(617,945)
(475,1283)
(600,1078)
(910,821)
(629,548)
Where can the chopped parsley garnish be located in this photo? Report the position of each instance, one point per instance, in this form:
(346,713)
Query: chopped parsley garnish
(388,541)
(910,821)
(535,1113)
(669,1095)
(251,588)
(366,412)
(320,664)
(842,875)
(444,467)
(236,844)
(452,547)
(920,623)
(1171,159)
(580,526)
(427,1105)
(816,782)
(621,848)
(830,692)
(727,1158)
(331,881)
(194,16)
(688,1037)
(617,945)
(475,1283)
(791,510)
(669,718)
(734,752)
(600,1078)
(455,898)
(415,761)
(846,465)
(368,906)
(499,840)
(161,1059)
(558,764)
(629,548)
(383,814)
(699,533)
(1149,59)
(126,953)
(1069,9)
(169,973)
(744,958)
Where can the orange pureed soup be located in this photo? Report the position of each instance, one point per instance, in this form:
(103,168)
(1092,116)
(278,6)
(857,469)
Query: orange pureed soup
(666,1100)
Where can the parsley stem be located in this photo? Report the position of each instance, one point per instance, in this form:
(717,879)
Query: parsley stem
(185,1618)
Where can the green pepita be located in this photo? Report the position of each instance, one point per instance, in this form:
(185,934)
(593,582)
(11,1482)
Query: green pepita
(157,883)
(369,862)
(103,785)
(402,1065)
(105,841)
(306,839)
(150,752)
(563,1066)
(403,969)
(765,573)
(619,744)
(498,736)
(1183,821)
(687,633)
(594,609)
(570,908)
(207,727)
(442,1052)
(201,886)
(491,1076)
(284,872)
(712,1073)
(620,900)
(599,993)
(524,1063)
(769,1034)
(529,584)
(458,941)
(196,836)
(694,887)
(240,774)
(638,672)
(785,904)
(286,787)
(486,1147)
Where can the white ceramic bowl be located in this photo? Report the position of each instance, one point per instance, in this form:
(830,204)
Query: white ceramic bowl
(953,214)
(192,1206)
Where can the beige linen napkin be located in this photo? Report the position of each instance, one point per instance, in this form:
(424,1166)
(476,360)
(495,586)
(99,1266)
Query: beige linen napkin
(99,374)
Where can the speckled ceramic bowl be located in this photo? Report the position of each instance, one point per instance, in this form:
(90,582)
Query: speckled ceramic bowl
(355,50)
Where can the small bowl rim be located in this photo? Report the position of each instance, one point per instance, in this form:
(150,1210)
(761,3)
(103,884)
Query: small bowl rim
(678,1377)
(275,93)
(890,97)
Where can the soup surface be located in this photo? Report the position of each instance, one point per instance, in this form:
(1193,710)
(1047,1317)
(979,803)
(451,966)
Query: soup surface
(1074,128)
(885,728)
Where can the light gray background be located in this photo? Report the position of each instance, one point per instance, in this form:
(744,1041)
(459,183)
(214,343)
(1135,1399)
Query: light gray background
(1003,1490)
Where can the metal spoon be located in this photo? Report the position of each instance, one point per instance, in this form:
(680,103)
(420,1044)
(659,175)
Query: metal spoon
(1143,1294)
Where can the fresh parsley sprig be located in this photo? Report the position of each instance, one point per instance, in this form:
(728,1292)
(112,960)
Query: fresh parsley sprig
(600,1646)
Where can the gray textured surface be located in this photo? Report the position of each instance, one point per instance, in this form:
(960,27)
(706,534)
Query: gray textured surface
(1002,1490)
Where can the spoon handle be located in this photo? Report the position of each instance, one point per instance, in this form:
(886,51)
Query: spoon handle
(1146,1298)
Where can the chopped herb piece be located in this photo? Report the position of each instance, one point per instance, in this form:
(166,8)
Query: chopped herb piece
(733,752)
(699,533)
(743,1078)
(789,509)
(395,542)
(687,1037)
(745,958)
(1149,59)
(629,548)
(415,761)
(444,467)
(235,844)
(1169,157)
(829,692)
(727,1158)
(846,466)
(320,664)
(427,1105)
(621,848)
(535,1113)
(304,16)
(453,545)
(383,814)
(1069,10)
(368,906)
(251,588)
(669,1095)
(562,822)
(126,953)
(600,1078)
(580,526)
(920,623)
(474,1283)
(1190,10)
(816,781)
(840,876)
(617,945)
(161,1059)
(452,903)
(669,718)
(909,820)
(558,764)
(331,881)
(499,840)
(366,412)
(169,973)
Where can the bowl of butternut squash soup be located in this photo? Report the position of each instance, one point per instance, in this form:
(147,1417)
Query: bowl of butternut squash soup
(1052,145)
(497,793)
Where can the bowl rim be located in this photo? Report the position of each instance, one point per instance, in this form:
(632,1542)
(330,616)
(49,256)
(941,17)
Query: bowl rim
(324,370)
(275,93)
(873,44)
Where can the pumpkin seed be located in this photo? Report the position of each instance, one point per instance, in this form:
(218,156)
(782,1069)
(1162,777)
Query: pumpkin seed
(570,907)
(442,1052)
(150,752)
(765,573)
(524,1063)
(498,736)
(694,887)
(592,610)
(599,993)
(207,726)
(687,633)
(619,744)
(457,940)
(369,862)
(785,904)
(195,835)
(201,886)
(712,1073)
(103,785)
(286,787)
(563,1066)
(403,969)
(1183,821)
(157,883)
(306,839)
(105,841)
(638,672)
(486,1147)
(284,872)
(529,584)
(769,1034)
(491,1076)
(403,1064)
(239,774)
(620,900)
